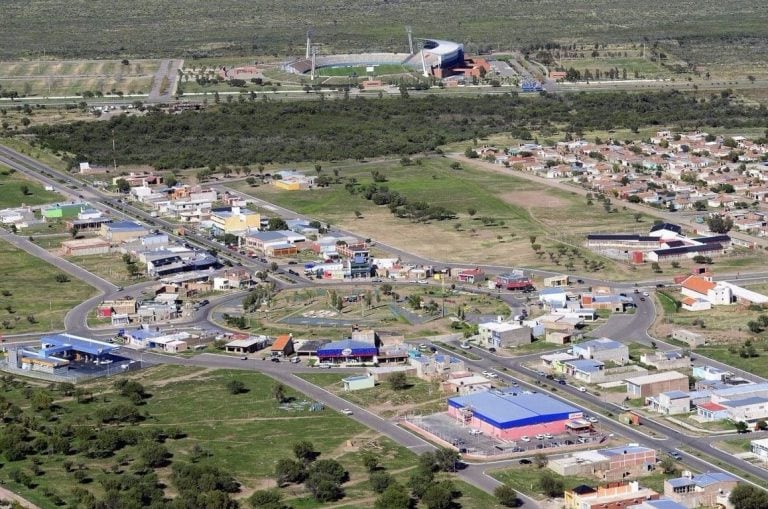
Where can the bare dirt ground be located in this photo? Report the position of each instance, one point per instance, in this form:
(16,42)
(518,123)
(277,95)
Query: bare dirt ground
(11,496)
(533,199)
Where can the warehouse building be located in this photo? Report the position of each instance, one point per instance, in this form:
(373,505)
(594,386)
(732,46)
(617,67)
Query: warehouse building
(652,385)
(508,415)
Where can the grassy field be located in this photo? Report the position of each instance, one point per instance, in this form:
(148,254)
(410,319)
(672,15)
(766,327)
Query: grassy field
(518,209)
(52,78)
(35,300)
(361,70)
(13,185)
(420,396)
(722,325)
(243,434)
(110,267)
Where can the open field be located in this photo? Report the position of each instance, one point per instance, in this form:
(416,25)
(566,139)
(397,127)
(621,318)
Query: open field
(420,396)
(228,27)
(290,307)
(723,325)
(508,211)
(13,186)
(110,267)
(244,435)
(35,300)
(47,78)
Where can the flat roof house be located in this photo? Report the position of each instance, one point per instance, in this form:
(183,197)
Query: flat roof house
(602,349)
(234,220)
(504,334)
(122,231)
(699,490)
(617,495)
(656,383)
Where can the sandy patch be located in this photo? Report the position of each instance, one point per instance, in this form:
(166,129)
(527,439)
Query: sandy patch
(533,199)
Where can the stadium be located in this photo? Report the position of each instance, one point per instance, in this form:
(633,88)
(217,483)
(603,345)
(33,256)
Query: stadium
(433,58)
(509,415)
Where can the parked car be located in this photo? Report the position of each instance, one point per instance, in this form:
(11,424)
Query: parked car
(296,360)
(465,346)
(540,436)
(275,359)
(548,436)
(244,358)
(562,381)
(525,461)
(492,350)
(475,431)
(525,438)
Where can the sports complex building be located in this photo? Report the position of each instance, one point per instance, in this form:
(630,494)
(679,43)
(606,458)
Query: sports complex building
(509,415)
(433,57)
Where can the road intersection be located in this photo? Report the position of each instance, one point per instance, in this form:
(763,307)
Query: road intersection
(627,328)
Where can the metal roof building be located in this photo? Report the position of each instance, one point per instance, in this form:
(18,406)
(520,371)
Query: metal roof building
(59,343)
(507,409)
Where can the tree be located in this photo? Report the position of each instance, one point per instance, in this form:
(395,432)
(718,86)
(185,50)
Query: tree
(420,480)
(358,214)
(235,387)
(668,465)
(276,223)
(380,480)
(506,495)
(439,495)
(62,278)
(747,496)
(471,211)
(289,471)
(323,489)
(279,393)
(398,381)
(393,497)
(719,224)
(370,462)
(266,499)
(741,427)
(638,217)
(154,455)
(251,181)
(540,460)
(328,468)
(550,485)
(41,400)
(446,459)
(123,186)
(304,451)
(74,231)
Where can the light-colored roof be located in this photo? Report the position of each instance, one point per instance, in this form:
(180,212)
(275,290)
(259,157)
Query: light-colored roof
(656,377)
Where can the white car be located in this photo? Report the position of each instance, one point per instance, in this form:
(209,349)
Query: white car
(582,389)
(474,431)
(346,411)
(493,375)
(592,419)
(540,436)
(423,282)
(486,373)
(548,436)
(465,346)
(423,346)
(646,294)
(525,438)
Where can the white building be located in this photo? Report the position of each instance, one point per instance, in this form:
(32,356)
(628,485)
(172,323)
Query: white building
(602,349)
(503,334)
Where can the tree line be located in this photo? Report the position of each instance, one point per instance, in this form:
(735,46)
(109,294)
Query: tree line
(280,132)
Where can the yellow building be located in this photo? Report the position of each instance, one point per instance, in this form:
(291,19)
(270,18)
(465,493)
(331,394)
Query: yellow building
(287,185)
(234,219)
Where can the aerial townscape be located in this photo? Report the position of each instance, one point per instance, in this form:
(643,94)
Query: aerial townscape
(400,255)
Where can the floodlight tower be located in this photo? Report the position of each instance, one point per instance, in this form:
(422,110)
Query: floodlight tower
(409,31)
(314,62)
(423,61)
(309,42)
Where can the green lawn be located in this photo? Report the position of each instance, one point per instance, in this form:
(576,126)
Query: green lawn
(525,479)
(110,267)
(360,70)
(34,292)
(731,355)
(12,193)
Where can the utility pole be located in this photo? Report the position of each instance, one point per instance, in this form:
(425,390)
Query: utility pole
(114,155)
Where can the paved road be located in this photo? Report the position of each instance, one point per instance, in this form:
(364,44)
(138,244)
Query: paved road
(664,437)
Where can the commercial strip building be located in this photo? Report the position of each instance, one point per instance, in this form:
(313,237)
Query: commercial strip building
(613,464)
(508,415)
(616,495)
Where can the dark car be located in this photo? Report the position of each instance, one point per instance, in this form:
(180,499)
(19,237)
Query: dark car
(562,381)
(204,302)
(492,350)
(660,285)
(291,263)
(525,461)
(275,359)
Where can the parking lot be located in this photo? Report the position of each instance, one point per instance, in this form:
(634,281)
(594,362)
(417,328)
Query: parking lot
(469,441)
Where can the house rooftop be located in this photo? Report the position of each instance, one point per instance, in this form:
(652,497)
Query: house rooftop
(599,344)
(656,377)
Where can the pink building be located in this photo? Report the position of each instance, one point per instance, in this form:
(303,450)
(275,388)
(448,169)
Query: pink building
(509,415)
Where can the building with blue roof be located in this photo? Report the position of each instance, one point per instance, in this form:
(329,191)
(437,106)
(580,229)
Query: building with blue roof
(123,231)
(509,414)
(701,490)
(586,370)
(348,351)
